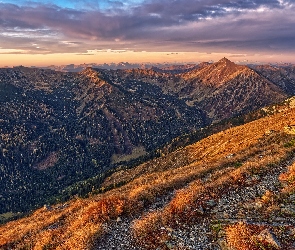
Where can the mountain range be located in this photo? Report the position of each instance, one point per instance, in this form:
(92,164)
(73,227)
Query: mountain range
(64,133)
(175,68)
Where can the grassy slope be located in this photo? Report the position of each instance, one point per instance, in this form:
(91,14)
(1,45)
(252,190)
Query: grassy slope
(227,157)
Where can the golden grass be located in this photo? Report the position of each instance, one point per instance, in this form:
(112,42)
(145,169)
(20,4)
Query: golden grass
(146,231)
(225,159)
(243,236)
(240,236)
(268,197)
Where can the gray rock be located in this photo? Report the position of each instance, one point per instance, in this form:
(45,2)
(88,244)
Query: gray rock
(290,209)
(211,203)
(223,245)
(169,244)
(200,210)
(291,232)
(267,236)
(47,207)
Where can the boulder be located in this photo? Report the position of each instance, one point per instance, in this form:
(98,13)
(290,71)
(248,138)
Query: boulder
(268,237)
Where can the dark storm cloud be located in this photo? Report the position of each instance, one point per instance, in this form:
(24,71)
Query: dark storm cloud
(154,25)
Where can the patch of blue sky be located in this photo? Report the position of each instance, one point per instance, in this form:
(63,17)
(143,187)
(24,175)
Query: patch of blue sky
(76,4)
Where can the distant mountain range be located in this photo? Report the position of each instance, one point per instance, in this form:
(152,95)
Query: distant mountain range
(168,67)
(176,68)
(59,129)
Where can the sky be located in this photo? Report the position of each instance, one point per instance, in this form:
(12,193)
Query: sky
(42,33)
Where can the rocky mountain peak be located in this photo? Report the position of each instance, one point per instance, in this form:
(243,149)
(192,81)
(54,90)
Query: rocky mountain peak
(94,77)
(218,73)
(90,72)
(225,63)
(224,60)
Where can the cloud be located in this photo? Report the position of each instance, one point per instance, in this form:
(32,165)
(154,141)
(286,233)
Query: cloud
(85,54)
(151,25)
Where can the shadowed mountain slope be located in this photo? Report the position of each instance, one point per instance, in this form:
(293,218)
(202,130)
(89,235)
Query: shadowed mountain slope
(61,128)
(282,76)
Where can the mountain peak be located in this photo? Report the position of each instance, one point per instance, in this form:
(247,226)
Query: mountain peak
(91,73)
(88,71)
(224,60)
(217,73)
(94,77)
(227,65)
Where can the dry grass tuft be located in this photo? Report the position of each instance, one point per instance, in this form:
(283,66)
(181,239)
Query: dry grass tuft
(243,236)
(150,231)
(268,197)
(240,236)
